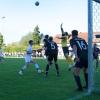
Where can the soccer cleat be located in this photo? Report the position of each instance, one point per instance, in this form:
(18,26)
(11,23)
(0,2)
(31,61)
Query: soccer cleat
(79,89)
(58,75)
(20,72)
(85,87)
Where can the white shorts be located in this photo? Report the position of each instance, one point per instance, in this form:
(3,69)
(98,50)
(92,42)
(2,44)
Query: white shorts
(28,58)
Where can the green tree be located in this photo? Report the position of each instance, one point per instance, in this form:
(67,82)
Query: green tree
(1,40)
(24,40)
(36,36)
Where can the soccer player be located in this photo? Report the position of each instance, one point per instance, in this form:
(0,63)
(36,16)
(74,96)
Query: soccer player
(96,52)
(52,52)
(80,49)
(28,59)
(46,39)
(1,55)
(64,41)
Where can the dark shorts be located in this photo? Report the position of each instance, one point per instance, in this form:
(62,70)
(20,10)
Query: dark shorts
(52,57)
(83,63)
(65,50)
(95,56)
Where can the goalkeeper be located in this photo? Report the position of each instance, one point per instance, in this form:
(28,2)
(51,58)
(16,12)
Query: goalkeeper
(64,41)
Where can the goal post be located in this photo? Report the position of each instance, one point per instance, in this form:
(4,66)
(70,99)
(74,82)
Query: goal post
(93,27)
(90,52)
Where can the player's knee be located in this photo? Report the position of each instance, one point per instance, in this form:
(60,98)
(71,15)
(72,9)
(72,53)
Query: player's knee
(50,62)
(56,62)
(76,71)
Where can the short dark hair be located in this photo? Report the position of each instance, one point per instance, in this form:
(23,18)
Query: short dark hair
(46,36)
(65,34)
(30,41)
(95,44)
(50,38)
(74,33)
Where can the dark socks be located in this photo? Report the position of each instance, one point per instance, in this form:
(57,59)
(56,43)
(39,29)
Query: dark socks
(86,79)
(47,68)
(57,69)
(78,82)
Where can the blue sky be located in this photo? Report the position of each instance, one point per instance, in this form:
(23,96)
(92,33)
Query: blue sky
(22,16)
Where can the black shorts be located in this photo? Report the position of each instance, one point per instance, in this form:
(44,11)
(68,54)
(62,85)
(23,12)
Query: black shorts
(52,57)
(95,56)
(83,63)
(65,50)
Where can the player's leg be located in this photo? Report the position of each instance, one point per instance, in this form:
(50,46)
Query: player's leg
(1,58)
(56,64)
(49,60)
(85,69)
(65,51)
(86,78)
(67,56)
(37,67)
(24,67)
(76,73)
(97,62)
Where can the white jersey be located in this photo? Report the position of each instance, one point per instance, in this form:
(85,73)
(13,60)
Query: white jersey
(28,53)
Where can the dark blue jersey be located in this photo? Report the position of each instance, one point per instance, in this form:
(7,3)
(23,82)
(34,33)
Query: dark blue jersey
(82,47)
(45,45)
(51,48)
(95,52)
(45,42)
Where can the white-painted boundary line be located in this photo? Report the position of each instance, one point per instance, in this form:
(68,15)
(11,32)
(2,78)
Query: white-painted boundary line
(78,96)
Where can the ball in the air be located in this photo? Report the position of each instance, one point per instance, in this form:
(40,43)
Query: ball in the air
(36,3)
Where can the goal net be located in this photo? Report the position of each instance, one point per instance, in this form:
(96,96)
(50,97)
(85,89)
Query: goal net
(96,31)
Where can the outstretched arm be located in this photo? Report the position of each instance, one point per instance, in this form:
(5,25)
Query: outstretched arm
(62,30)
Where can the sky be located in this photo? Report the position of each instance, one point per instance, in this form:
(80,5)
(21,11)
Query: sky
(21,16)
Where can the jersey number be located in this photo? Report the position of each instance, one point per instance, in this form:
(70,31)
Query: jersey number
(82,45)
(52,46)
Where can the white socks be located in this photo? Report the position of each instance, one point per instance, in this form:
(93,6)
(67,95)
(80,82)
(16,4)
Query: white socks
(36,66)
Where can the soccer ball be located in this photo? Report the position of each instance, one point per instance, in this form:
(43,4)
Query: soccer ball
(36,3)
(39,71)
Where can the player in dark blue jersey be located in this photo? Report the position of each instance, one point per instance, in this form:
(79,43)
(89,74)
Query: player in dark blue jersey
(96,52)
(46,39)
(80,49)
(52,52)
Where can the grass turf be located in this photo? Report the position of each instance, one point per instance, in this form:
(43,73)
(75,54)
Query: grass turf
(32,86)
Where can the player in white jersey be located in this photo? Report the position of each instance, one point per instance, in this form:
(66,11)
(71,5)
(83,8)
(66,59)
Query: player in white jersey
(28,59)
(1,55)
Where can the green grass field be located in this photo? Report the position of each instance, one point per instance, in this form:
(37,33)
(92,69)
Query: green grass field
(32,86)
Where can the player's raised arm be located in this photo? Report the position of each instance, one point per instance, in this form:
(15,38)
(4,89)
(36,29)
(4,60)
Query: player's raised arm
(62,30)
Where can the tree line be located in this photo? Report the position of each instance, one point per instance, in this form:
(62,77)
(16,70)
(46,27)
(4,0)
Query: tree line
(20,46)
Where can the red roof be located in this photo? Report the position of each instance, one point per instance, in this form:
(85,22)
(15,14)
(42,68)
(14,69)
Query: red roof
(83,35)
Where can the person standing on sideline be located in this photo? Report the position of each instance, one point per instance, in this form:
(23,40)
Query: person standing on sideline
(80,49)
(28,59)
